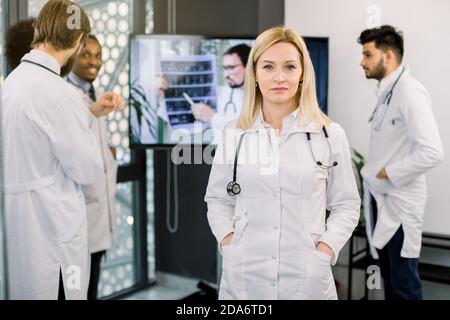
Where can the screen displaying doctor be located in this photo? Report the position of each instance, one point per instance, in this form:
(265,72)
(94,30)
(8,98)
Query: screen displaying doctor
(270,220)
(404,144)
(230,96)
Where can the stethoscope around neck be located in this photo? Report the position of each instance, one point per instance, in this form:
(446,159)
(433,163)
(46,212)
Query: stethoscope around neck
(41,66)
(386,102)
(230,103)
(234,188)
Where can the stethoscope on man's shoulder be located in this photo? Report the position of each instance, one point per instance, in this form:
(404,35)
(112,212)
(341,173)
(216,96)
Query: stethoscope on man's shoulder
(40,66)
(386,102)
(234,188)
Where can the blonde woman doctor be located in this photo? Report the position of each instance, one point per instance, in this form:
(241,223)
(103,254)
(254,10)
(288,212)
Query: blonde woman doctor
(277,169)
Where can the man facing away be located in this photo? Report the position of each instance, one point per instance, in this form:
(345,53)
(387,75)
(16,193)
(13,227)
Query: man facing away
(49,152)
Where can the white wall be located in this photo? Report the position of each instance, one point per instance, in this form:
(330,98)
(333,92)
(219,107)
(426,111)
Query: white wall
(426,28)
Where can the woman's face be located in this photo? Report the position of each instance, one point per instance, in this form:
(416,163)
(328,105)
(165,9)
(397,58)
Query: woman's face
(278,74)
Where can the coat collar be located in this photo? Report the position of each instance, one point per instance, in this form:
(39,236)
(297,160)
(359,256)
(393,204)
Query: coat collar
(43,59)
(386,83)
(295,121)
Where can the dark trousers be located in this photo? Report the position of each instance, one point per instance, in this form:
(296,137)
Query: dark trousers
(96,259)
(400,275)
(61,294)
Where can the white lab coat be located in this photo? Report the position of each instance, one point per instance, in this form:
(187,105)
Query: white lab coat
(407,145)
(227,109)
(280,215)
(49,152)
(101,195)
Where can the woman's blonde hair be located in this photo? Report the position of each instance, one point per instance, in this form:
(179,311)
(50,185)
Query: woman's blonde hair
(306,97)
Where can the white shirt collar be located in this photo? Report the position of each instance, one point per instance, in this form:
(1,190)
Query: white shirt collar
(292,116)
(293,121)
(78,82)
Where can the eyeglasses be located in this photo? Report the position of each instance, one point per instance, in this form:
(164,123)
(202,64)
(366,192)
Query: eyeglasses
(231,67)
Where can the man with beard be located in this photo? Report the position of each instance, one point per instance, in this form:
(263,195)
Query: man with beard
(100,196)
(404,145)
(49,152)
(231,96)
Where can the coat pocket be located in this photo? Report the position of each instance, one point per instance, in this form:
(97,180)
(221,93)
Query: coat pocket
(318,281)
(382,186)
(321,256)
(317,278)
(231,283)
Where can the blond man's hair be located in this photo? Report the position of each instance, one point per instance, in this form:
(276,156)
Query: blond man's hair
(53,25)
(306,97)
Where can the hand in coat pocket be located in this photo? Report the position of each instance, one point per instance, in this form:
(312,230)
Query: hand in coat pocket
(324,248)
(226,241)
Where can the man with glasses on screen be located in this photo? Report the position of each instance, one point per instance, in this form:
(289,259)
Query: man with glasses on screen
(229,97)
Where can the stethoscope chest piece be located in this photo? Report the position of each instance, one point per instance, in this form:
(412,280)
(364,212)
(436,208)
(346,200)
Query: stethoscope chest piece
(233,189)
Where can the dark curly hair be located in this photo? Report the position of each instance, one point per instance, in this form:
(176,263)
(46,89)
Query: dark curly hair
(385,37)
(18,40)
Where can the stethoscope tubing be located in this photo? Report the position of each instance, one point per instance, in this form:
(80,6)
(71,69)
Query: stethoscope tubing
(234,185)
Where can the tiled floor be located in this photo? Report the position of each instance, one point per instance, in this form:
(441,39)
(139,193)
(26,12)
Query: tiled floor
(168,287)
(171,287)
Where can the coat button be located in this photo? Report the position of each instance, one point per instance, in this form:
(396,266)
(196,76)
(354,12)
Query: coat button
(275,195)
(273,284)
